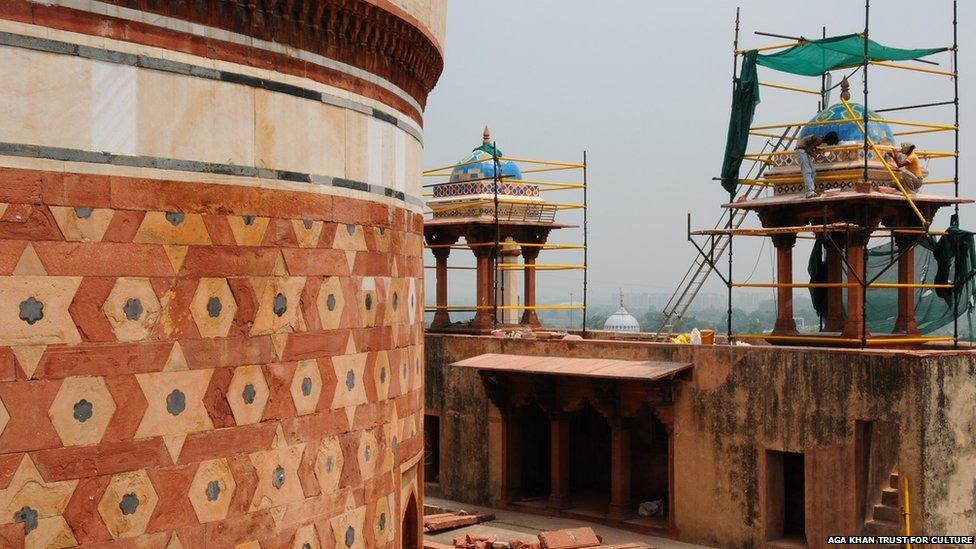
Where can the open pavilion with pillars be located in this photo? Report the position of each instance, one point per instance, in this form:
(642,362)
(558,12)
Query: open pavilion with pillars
(479,235)
(844,223)
(558,415)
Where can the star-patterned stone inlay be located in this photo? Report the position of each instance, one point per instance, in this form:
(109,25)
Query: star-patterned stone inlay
(27,489)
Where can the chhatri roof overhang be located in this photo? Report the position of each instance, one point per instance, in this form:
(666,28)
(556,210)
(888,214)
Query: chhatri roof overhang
(592,368)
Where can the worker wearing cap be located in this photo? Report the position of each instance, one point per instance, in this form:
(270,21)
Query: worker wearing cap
(806,149)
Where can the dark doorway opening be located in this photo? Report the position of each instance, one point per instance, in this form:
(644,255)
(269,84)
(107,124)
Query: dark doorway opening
(785,496)
(589,450)
(793,496)
(649,481)
(410,536)
(432,448)
(535,452)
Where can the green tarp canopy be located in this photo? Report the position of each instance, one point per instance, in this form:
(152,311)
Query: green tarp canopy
(809,58)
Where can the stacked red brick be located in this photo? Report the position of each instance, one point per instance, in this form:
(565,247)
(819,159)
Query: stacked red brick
(210,315)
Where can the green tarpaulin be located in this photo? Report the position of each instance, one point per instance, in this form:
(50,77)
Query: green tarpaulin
(810,58)
(949,259)
(816,57)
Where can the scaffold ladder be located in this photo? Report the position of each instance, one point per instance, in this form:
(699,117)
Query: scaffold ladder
(699,270)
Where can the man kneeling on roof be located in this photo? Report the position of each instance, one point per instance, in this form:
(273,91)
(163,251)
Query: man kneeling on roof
(909,167)
(806,149)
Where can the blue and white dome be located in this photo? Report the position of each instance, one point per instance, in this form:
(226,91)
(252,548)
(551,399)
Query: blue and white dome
(479,165)
(847,130)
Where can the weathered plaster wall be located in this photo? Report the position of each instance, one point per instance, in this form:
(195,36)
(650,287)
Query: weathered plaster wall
(742,401)
(210,272)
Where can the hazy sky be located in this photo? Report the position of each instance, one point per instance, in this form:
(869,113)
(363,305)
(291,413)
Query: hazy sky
(644,87)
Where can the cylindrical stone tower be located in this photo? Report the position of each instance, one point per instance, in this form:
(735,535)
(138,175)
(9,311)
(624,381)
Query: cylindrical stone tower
(210,271)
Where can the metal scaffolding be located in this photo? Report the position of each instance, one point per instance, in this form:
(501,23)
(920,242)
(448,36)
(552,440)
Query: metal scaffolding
(719,240)
(508,211)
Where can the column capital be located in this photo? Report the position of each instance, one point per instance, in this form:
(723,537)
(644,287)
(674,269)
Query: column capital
(784,241)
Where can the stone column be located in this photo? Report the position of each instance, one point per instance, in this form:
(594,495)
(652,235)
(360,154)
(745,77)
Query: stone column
(442,317)
(784,275)
(508,293)
(620,504)
(906,323)
(511,455)
(855,272)
(529,317)
(835,275)
(483,317)
(559,497)
(666,415)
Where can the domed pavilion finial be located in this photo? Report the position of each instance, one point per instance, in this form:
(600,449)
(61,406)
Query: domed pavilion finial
(845,89)
(486,137)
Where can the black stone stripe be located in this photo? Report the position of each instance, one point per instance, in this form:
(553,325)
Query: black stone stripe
(176,67)
(135,161)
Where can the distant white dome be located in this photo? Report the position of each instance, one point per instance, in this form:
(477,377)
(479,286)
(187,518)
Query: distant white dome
(622,321)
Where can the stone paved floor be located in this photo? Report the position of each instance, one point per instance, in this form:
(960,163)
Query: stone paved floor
(513,524)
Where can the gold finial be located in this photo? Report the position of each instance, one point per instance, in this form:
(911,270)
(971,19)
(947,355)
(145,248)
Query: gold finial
(845,89)
(486,137)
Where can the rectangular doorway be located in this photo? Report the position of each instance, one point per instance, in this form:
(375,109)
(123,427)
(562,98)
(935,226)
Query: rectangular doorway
(432,448)
(785,496)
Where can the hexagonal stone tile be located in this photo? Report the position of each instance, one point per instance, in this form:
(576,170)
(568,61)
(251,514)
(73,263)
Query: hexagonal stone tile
(127,504)
(350,388)
(382,375)
(368,454)
(383,521)
(132,308)
(306,386)
(330,303)
(82,410)
(213,307)
(367,299)
(347,528)
(328,464)
(211,490)
(248,394)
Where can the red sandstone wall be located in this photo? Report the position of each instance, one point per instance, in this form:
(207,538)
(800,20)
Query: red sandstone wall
(210,314)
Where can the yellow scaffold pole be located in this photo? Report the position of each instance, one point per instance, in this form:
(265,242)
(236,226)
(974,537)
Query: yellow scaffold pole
(884,163)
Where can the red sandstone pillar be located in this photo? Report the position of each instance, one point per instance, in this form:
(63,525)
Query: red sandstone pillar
(620,507)
(666,415)
(559,497)
(906,275)
(854,325)
(483,318)
(529,317)
(441,316)
(835,296)
(784,275)
(511,456)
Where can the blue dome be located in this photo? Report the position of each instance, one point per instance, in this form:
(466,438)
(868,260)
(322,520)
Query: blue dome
(479,165)
(879,132)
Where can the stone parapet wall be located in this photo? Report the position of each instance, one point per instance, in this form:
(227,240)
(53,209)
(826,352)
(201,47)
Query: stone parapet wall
(739,402)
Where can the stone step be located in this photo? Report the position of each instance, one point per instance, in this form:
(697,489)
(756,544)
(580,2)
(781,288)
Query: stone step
(890,497)
(893,481)
(885,512)
(881,528)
